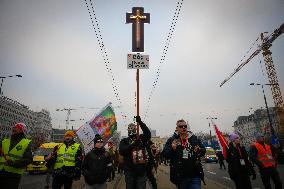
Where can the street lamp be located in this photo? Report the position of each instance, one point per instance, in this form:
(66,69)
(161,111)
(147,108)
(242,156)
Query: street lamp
(265,101)
(210,119)
(2,80)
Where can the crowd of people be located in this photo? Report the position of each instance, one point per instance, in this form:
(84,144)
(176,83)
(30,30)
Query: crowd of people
(137,158)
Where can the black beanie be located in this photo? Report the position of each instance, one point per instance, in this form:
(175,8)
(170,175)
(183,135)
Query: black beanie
(97,137)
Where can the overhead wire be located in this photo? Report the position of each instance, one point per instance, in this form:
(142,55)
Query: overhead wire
(107,62)
(163,57)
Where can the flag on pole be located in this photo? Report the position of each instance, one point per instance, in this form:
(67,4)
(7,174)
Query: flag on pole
(221,140)
(104,124)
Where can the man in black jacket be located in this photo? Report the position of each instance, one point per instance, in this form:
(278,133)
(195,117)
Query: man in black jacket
(97,166)
(221,158)
(133,150)
(184,151)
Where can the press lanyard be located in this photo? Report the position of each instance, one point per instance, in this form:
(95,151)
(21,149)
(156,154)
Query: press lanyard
(183,143)
(240,153)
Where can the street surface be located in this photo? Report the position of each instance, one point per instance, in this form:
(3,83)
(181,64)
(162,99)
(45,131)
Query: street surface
(214,178)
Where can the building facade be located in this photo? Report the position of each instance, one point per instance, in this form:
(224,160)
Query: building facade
(38,124)
(258,122)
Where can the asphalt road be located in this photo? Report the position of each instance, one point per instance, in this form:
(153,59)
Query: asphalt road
(222,177)
(214,178)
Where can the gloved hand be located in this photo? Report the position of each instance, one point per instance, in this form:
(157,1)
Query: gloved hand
(253,176)
(138,119)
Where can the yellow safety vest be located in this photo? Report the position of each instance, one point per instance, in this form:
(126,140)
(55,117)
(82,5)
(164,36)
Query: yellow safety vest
(66,157)
(15,154)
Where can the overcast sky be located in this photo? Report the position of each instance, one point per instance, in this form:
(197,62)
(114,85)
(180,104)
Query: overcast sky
(53,45)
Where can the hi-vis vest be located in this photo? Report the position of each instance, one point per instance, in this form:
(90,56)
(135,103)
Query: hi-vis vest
(15,154)
(265,156)
(66,157)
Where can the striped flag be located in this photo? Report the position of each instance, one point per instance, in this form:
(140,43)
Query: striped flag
(221,140)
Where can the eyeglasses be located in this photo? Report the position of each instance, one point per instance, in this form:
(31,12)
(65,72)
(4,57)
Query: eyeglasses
(100,141)
(182,126)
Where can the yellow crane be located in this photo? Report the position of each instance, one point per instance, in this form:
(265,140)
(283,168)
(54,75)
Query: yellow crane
(266,43)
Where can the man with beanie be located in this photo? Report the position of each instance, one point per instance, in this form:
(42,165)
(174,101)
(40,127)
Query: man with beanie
(239,167)
(15,155)
(262,155)
(66,159)
(97,166)
(133,150)
(184,150)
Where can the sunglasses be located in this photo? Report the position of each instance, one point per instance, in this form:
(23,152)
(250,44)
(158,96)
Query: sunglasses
(182,126)
(100,141)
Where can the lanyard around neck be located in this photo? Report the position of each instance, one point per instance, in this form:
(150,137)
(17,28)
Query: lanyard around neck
(183,143)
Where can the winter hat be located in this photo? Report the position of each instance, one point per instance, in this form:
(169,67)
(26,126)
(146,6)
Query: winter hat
(69,133)
(233,137)
(20,128)
(97,137)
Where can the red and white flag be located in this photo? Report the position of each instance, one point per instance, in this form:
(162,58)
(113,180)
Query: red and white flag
(222,141)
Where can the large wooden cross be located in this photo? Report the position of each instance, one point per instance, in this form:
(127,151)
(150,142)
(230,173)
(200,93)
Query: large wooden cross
(137,18)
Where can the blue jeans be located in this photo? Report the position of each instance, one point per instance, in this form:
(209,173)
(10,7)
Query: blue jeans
(134,181)
(190,183)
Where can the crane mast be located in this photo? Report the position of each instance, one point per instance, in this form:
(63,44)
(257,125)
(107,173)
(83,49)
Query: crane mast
(275,89)
(271,73)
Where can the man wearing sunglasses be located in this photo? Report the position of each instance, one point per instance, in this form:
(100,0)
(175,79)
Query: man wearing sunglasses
(184,151)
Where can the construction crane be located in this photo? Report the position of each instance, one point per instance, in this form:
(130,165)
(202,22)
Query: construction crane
(68,110)
(266,43)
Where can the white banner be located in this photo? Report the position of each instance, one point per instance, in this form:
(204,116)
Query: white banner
(86,135)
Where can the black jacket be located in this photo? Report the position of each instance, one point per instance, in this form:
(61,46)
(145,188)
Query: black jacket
(97,166)
(127,145)
(184,168)
(151,156)
(234,157)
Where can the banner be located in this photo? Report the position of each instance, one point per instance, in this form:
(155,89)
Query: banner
(104,124)
(86,135)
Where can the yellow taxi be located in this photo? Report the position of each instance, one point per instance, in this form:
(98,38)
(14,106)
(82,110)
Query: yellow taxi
(39,165)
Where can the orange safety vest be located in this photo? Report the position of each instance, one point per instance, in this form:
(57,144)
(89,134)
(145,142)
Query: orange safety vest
(265,156)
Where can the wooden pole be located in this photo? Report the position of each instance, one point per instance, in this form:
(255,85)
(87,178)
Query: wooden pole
(137,81)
